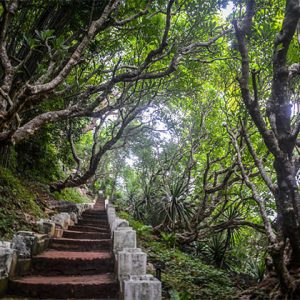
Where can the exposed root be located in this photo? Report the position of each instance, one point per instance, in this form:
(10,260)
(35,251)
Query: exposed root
(269,289)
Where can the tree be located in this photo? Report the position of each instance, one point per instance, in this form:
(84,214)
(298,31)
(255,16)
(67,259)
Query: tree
(87,72)
(280,132)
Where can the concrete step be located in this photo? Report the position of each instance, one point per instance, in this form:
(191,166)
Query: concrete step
(86,228)
(85,235)
(80,244)
(95,212)
(54,262)
(95,223)
(64,287)
(94,218)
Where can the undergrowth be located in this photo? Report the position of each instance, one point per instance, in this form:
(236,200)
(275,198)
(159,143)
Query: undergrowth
(22,202)
(71,194)
(183,276)
(18,208)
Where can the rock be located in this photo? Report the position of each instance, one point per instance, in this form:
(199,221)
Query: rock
(62,219)
(6,258)
(24,243)
(46,226)
(73,217)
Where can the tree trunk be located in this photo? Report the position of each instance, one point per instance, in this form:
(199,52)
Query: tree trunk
(5,155)
(288,206)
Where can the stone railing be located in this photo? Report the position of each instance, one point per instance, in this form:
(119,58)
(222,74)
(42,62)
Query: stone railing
(130,262)
(15,255)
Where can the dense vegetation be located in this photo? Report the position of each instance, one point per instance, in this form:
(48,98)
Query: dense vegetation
(185,112)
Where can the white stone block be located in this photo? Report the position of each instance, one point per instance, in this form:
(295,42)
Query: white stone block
(131,261)
(123,237)
(142,287)
(73,217)
(67,217)
(6,258)
(62,219)
(5,244)
(118,223)
(106,203)
(111,217)
(110,209)
(46,226)
(24,242)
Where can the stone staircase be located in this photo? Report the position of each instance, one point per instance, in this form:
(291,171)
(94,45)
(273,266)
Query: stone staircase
(77,265)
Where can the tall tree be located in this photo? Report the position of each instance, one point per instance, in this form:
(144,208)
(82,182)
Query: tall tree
(91,63)
(279,130)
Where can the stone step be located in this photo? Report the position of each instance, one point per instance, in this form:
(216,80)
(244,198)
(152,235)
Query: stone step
(85,235)
(93,223)
(94,218)
(96,222)
(86,228)
(52,263)
(80,244)
(64,287)
(94,212)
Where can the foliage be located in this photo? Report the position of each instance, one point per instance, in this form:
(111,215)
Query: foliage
(38,157)
(72,195)
(18,208)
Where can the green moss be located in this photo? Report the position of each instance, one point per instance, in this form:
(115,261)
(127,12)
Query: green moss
(71,194)
(17,204)
(183,276)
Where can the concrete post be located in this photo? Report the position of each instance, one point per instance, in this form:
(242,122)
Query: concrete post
(123,237)
(131,261)
(118,223)
(111,216)
(142,287)
(106,203)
